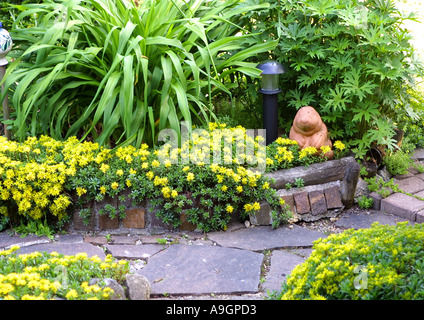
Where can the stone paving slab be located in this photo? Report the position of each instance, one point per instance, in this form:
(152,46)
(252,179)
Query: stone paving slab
(69,249)
(265,238)
(411,185)
(363,220)
(189,269)
(418,154)
(134,251)
(6,241)
(402,205)
(282,264)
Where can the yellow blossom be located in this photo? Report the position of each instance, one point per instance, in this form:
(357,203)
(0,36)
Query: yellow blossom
(81,191)
(72,294)
(339,145)
(104,167)
(190,176)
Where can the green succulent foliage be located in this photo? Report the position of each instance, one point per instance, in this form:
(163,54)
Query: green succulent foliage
(121,71)
(379,263)
(351,60)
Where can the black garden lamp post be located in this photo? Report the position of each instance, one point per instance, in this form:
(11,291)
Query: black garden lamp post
(270,90)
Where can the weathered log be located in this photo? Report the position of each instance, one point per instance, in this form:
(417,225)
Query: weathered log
(317,173)
(349,183)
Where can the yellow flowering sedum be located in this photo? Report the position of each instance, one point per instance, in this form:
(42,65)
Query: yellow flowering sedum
(41,276)
(222,166)
(382,262)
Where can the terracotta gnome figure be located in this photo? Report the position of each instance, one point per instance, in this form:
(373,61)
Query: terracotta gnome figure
(310,131)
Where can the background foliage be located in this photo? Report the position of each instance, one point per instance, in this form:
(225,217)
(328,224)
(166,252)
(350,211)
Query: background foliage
(351,60)
(121,71)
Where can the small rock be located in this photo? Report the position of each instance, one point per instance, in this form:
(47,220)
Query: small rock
(247,223)
(138,287)
(118,290)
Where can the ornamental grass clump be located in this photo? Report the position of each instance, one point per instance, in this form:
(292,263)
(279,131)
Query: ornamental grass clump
(45,276)
(380,263)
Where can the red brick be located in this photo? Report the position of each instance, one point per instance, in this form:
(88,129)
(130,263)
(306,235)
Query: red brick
(333,198)
(185,225)
(301,201)
(317,201)
(106,223)
(290,202)
(135,218)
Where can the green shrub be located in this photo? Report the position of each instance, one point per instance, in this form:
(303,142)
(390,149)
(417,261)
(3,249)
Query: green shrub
(397,162)
(379,263)
(351,60)
(365,202)
(121,71)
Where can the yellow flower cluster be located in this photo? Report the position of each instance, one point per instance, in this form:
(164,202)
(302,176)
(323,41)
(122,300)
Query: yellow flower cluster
(339,145)
(307,152)
(41,276)
(33,177)
(285,153)
(375,263)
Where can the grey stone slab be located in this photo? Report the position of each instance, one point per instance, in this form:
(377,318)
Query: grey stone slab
(420,176)
(263,238)
(418,154)
(376,205)
(282,264)
(402,205)
(6,241)
(70,238)
(185,269)
(134,251)
(65,249)
(363,220)
(261,217)
(411,185)
(420,216)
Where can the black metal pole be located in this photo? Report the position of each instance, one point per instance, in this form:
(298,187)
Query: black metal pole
(270,114)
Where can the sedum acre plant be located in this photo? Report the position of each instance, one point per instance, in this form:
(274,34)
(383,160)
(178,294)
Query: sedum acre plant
(214,174)
(45,276)
(380,263)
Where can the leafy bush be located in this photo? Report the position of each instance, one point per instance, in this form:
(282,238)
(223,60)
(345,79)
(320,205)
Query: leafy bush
(412,122)
(351,60)
(43,276)
(365,202)
(379,263)
(121,71)
(398,162)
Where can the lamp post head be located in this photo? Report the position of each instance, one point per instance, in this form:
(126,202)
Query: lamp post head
(270,71)
(5,45)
